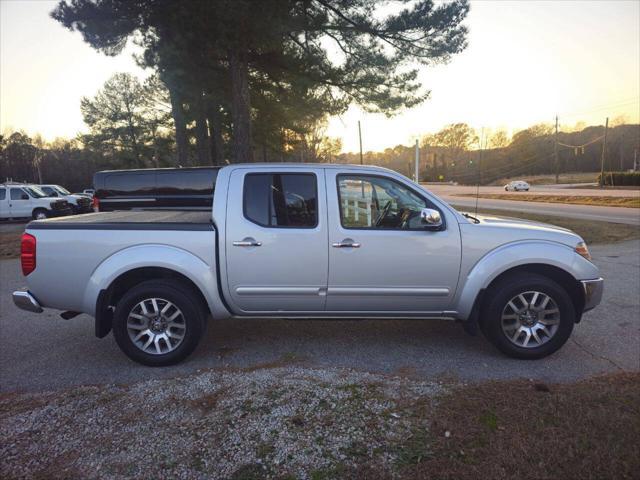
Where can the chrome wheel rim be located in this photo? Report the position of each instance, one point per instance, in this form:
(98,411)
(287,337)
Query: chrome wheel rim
(530,319)
(41,216)
(156,326)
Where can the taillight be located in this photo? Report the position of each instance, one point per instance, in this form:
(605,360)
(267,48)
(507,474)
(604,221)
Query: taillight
(95,203)
(28,253)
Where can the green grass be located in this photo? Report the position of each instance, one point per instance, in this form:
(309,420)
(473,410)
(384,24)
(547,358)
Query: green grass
(594,200)
(591,231)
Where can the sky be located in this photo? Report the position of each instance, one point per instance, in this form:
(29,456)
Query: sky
(526,62)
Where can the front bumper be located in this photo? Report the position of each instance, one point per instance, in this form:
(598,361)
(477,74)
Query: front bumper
(25,301)
(592,293)
(62,212)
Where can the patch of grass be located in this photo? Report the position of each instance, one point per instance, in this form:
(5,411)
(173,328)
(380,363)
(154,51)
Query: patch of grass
(489,420)
(289,358)
(331,473)
(264,449)
(628,202)
(10,244)
(511,429)
(209,401)
(250,471)
(592,232)
(415,449)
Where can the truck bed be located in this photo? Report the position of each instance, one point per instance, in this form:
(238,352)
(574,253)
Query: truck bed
(129,220)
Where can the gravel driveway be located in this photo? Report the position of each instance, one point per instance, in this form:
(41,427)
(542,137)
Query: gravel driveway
(44,352)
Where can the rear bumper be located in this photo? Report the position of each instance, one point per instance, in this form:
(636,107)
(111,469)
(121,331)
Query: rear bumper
(26,301)
(592,293)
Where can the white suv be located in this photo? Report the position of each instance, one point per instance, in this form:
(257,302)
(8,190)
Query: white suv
(517,186)
(23,201)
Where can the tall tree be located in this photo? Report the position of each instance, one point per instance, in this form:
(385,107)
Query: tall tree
(126,118)
(351,51)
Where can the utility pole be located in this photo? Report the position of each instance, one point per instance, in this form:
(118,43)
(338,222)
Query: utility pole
(555,150)
(417,162)
(604,149)
(622,153)
(635,160)
(360,136)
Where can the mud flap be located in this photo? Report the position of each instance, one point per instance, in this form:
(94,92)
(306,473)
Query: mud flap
(104,315)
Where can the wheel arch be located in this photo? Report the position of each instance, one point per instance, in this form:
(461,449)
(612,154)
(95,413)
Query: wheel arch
(109,297)
(145,262)
(563,278)
(551,259)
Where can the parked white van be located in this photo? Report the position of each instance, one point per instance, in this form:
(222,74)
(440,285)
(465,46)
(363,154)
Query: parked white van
(19,200)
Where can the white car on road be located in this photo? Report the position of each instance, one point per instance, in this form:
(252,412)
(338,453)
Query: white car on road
(517,186)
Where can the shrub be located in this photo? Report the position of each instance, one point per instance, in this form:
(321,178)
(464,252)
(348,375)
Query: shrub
(621,179)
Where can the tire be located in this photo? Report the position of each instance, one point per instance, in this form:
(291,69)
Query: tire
(509,334)
(175,338)
(506,189)
(40,214)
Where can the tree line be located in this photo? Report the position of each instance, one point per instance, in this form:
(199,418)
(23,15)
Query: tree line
(461,154)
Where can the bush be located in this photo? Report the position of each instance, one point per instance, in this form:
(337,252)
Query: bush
(621,179)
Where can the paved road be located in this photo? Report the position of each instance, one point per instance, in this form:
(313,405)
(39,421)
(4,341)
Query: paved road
(40,352)
(450,194)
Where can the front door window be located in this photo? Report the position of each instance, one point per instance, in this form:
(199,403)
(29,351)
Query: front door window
(378,203)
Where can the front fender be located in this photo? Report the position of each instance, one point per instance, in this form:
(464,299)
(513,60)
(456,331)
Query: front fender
(194,268)
(508,256)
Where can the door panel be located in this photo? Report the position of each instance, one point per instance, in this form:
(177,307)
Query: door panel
(19,207)
(276,241)
(398,266)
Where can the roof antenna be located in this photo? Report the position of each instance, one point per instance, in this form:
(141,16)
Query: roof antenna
(479,179)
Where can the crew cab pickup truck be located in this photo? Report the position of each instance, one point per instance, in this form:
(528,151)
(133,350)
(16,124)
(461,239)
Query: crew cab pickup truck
(309,241)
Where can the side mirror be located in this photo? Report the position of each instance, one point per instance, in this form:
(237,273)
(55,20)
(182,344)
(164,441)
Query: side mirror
(431,218)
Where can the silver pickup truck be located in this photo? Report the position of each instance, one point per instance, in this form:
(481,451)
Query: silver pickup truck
(309,241)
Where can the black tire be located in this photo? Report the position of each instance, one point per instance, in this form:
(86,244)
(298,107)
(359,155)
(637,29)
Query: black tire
(182,297)
(508,288)
(41,211)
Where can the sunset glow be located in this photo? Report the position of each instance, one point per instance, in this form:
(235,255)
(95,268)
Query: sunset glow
(526,62)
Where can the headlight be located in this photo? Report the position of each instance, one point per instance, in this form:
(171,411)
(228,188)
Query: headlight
(582,250)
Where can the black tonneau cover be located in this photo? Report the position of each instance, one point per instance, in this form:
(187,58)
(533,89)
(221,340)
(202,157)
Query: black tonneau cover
(129,220)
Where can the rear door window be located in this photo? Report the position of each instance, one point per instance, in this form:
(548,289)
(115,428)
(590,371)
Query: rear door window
(288,200)
(188,182)
(3,193)
(17,194)
(130,183)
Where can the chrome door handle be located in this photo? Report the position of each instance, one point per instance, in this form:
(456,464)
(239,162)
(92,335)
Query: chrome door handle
(247,243)
(346,245)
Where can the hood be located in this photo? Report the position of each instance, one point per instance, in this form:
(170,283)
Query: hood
(520,229)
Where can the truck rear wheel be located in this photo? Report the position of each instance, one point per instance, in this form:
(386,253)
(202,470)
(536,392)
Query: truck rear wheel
(528,316)
(158,323)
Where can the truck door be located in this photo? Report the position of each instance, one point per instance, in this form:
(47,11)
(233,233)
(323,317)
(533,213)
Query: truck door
(276,240)
(381,256)
(20,203)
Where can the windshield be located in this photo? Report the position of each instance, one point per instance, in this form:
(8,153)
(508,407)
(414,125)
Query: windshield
(35,192)
(61,190)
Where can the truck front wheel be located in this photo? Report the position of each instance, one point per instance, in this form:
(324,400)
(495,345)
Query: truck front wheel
(528,316)
(158,323)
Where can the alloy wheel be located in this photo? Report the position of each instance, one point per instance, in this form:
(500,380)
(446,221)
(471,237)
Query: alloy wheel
(156,326)
(530,319)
